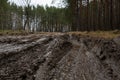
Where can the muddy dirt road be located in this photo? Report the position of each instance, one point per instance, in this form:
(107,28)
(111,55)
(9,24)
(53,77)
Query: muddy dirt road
(59,57)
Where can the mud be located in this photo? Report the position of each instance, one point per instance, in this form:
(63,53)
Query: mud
(59,57)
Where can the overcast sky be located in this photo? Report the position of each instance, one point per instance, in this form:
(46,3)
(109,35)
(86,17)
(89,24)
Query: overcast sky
(40,2)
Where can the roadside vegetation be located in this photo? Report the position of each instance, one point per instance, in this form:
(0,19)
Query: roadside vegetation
(12,32)
(100,34)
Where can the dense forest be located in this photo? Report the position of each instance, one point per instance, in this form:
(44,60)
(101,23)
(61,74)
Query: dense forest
(32,18)
(94,14)
(78,15)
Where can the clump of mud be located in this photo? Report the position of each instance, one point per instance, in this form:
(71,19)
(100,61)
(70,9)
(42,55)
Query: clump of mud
(59,57)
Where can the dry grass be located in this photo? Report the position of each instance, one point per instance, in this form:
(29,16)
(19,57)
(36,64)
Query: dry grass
(12,32)
(102,34)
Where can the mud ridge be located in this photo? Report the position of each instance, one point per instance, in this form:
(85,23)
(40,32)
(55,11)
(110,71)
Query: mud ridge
(59,57)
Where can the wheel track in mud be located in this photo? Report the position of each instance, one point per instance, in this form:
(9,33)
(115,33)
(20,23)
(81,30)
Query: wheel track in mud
(23,63)
(61,57)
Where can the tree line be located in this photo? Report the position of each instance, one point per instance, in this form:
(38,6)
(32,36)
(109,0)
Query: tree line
(78,15)
(32,18)
(91,15)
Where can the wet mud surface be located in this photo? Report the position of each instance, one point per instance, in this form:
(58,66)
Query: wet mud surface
(59,57)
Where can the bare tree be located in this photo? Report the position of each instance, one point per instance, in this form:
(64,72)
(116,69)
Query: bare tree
(27,15)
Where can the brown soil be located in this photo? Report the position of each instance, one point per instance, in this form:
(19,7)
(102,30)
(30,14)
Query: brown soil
(59,57)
